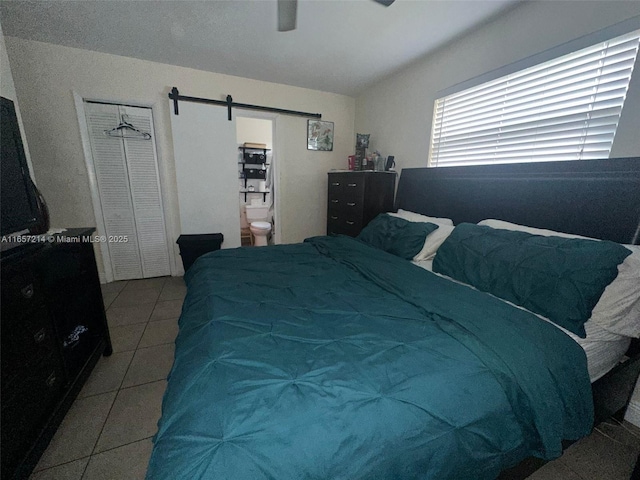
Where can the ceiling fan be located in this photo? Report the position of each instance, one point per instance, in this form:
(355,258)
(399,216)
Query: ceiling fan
(288,9)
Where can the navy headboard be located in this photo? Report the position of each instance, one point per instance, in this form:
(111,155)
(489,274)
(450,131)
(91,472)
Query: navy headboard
(594,198)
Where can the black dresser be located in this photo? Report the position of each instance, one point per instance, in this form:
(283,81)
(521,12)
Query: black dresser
(54,329)
(355,198)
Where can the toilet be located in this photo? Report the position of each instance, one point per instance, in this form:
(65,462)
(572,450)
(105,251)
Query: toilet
(260,231)
(258,218)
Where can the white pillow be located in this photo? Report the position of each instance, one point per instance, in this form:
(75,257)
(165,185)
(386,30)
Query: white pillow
(501,224)
(416,217)
(433,242)
(434,239)
(618,309)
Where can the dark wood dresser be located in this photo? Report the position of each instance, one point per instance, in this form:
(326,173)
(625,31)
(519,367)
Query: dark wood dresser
(355,198)
(54,329)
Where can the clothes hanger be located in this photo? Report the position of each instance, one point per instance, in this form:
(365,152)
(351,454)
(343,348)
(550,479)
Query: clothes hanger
(123,127)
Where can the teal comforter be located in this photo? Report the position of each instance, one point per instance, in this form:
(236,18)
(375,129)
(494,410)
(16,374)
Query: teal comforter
(334,360)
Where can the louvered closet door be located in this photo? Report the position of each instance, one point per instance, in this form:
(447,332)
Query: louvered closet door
(144,182)
(113,186)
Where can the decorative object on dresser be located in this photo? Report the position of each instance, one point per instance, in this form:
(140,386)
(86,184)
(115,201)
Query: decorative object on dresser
(362,143)
(355,198)
(54,329)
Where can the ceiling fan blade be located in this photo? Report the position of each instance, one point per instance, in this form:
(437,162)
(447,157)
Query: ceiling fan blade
(287,12)
(386,3)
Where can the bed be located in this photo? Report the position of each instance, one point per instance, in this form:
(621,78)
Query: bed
(336,359)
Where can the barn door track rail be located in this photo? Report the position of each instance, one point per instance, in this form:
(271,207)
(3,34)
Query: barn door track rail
(229,103)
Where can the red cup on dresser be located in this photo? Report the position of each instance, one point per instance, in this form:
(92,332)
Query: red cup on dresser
(352,162)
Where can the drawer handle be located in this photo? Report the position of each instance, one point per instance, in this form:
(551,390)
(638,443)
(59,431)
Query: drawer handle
(335,184)
(51,380)
(352,184)
(333,217)
(351,204)
(350,223)
(40,335)
(334,201)
(27,292)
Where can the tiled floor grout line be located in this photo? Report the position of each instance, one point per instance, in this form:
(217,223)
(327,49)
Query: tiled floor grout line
(59,465)
(106,307)
(141,384)
(99,453)
(155,344)
(120,446)
(130,386)
(85,468)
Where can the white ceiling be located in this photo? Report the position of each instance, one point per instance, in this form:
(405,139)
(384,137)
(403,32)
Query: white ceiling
(340,46)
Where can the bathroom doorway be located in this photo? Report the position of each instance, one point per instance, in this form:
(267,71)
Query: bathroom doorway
(258,180)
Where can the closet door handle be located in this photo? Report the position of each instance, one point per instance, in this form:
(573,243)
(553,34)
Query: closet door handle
(351,204)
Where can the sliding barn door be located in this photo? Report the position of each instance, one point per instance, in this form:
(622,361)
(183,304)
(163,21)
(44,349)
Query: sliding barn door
(126,171)
(206,156)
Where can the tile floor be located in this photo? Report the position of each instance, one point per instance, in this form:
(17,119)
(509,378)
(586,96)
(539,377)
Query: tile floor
(609,453)
(106,435)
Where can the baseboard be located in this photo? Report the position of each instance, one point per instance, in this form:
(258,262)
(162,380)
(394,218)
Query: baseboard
(633,413)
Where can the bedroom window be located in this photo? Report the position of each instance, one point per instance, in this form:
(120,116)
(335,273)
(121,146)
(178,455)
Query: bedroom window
(564,109)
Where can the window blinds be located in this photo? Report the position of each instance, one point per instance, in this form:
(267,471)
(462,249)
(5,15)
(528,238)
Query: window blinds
(564,109)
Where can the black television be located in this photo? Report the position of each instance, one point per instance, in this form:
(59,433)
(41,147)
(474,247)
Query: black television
(22,207)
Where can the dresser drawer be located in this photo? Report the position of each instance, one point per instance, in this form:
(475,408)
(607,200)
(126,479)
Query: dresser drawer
(347,200)
(20,290)
(25,342)
(337,224)
(39,381)
(25,405)
(349,207)
(346,186)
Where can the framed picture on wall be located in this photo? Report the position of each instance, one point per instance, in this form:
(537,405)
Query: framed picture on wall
(319,135)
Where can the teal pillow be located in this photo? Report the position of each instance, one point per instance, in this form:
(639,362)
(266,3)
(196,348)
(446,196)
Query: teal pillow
(561,279)
(396,235)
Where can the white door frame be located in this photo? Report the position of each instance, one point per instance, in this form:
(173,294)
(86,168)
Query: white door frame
(277,234)
(79,101)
